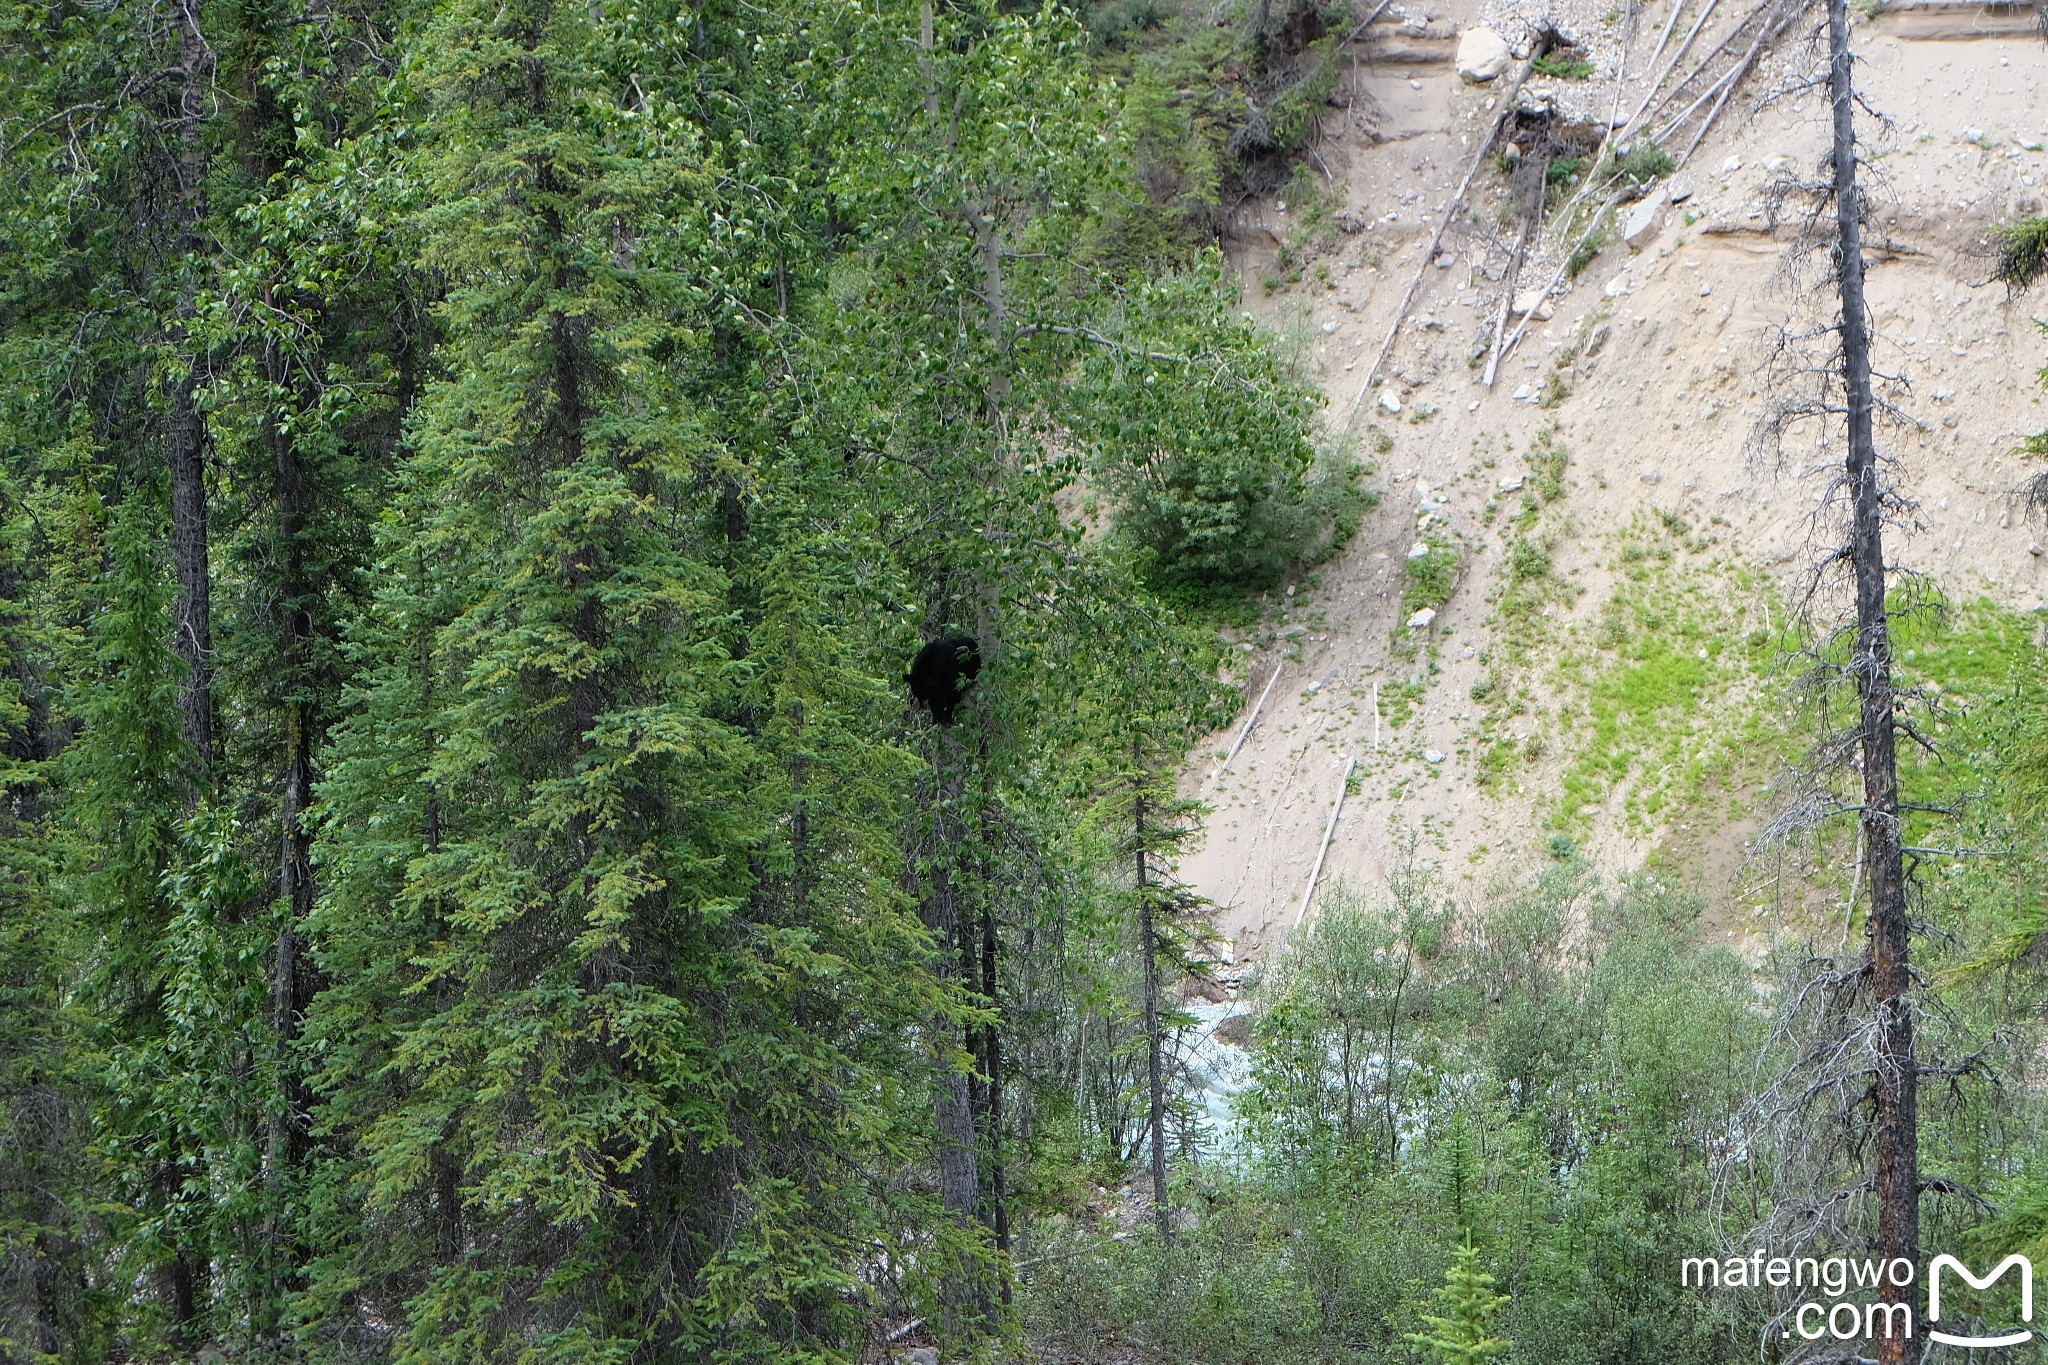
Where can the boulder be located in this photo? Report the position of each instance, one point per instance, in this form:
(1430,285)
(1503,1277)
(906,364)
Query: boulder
(1482,55)
(1643,220)
(1421,619)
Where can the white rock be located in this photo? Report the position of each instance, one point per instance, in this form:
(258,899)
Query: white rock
(1731,165)
(1432,756)
(1705,289)
(1444,260)
(1651,476)
(1329,327)
(1418,551)
(1511,484)
(1534,301)
(1482,55)
(1391,402)
(1523,393)
(1643,220)
(1616,287)
(1421,619)
(1679,191)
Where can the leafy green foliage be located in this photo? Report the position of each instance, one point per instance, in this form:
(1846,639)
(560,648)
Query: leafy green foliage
(1563,65)
(1201,435)
(1430,577)
(1645,161)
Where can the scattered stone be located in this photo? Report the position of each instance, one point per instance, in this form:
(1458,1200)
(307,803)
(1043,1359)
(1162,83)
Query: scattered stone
(1651,476)
(1643,220)
(1432,756)
(1616,287)
(1511,484)
(1482,55)
(1468,652)
(918,1355)
(1421,619)
(1534,301)
(1329,327)
(1731,165)
(1391,402)
(1705,288)
(1522,393)
(1294,632)
(1679,191)
(1418,551)
(1444,260)
(1596,340)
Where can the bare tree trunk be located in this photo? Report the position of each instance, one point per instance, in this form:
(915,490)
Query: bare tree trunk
(185,456)
(992,1069)
(1897,1181)
(291,983)
(1155,1078)
(965,1306)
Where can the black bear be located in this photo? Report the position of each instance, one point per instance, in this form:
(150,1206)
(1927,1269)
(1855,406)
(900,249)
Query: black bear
(942,671)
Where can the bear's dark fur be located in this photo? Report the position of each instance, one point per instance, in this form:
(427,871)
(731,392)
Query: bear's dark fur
(942,671)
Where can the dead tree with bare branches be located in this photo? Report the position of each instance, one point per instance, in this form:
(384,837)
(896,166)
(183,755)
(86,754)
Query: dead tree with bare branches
(1845,1110)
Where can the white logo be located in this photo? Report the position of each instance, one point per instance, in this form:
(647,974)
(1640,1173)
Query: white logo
(2026,1299)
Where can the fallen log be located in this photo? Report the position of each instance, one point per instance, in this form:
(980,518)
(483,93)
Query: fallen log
(1450,213)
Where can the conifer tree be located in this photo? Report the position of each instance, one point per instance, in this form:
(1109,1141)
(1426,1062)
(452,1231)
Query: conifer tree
(1462,1333)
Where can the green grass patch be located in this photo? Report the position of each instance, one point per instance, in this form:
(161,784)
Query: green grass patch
(1668,700)
(1563,66)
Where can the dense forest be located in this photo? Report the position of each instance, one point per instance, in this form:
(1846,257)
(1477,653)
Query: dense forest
(478,885)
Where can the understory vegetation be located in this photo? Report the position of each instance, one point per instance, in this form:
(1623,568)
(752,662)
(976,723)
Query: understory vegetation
(1570,1076)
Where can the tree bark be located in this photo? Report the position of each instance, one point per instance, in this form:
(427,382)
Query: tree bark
(291,984)
(1155,1079)
(965,1306)
(185,455)
(1897,1181)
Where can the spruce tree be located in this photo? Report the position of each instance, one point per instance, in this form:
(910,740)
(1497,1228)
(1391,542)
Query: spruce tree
(1462,1334)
